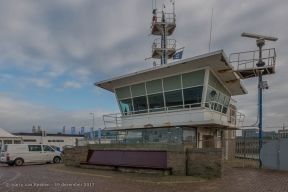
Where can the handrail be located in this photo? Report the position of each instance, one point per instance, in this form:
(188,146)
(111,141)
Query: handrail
(270,57)
(234,117)
(170,44)
(169,17)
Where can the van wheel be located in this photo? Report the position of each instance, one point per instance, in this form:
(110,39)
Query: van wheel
(10,164)
(56,160)
(19,162)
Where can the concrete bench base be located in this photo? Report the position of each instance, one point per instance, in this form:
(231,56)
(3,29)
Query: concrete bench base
(158,171)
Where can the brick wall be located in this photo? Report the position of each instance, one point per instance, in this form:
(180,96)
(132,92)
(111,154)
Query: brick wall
(72,157)
(204,162)
(184,161)
(176,158)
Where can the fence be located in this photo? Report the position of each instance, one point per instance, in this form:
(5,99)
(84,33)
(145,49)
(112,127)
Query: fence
(238,153)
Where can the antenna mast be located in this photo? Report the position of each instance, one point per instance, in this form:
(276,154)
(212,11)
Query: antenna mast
(163,24)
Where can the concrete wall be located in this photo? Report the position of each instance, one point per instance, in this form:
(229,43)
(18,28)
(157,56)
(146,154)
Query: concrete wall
(206,163)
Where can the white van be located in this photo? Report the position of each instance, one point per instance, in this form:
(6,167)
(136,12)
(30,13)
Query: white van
(24,153)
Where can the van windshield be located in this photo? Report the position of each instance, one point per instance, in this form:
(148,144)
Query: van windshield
(4,148)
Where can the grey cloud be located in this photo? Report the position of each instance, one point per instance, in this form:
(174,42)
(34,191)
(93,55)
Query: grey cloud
(109,38)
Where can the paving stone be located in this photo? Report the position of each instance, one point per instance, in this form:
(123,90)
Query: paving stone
(58,177)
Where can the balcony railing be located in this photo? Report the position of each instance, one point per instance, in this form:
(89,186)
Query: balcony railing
(169,18)
(170,44)
(249,59)
(217,111)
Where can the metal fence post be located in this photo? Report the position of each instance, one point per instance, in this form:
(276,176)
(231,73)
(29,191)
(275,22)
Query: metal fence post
(244,147)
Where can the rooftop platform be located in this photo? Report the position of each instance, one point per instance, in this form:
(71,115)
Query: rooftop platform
(247,63)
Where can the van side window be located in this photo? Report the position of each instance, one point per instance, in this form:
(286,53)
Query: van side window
(47,148)
(4,148)
(35,148)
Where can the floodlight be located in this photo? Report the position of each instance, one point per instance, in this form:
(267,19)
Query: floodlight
(250,35)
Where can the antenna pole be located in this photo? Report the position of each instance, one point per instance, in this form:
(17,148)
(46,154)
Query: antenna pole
(210,30)
(174,8)
(163,39)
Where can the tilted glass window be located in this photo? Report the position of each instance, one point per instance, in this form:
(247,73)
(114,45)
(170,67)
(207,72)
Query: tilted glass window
(212,95)
(215,83)
(174,98)
(126,106)
(140,104)
(221,102)
(172,83)
(193,97)
(193,79)
(138,90)
(123,92)
(212,80)
(156,102)
(154,86)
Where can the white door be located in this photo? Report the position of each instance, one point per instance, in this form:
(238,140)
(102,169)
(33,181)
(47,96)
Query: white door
(49,153)
(36,153)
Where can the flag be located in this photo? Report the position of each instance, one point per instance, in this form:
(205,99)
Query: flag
(63,130)
(91,133)
(99,133)
(178,55)
(73,130)
(82,131)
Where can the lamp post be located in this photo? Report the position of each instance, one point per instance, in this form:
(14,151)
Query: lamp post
(93,119)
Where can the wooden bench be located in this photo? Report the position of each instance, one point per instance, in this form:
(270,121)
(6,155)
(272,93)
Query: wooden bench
(156,160)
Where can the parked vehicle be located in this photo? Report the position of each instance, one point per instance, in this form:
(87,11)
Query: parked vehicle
(67,147)
(17,154)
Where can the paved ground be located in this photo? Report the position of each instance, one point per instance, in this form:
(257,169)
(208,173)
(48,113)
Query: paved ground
(57,177)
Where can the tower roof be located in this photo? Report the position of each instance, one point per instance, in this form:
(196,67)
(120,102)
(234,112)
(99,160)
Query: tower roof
(217,61)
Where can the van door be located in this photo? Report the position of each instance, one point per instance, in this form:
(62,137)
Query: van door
(3,153)
(19,151)
(49,153)
(36,153)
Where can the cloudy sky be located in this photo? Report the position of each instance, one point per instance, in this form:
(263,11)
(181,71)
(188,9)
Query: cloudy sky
(51,53)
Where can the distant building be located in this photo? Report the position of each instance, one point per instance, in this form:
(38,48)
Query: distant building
(254,133)
(58,140)
(8,138)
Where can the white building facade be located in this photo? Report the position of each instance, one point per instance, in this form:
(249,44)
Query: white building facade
(187,101)
(58,140)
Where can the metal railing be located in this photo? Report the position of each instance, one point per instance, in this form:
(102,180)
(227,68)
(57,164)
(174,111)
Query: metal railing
(249,59)
(212,107)
(170,44)
(169,18)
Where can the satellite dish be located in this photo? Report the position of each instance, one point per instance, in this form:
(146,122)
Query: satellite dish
(154,64)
